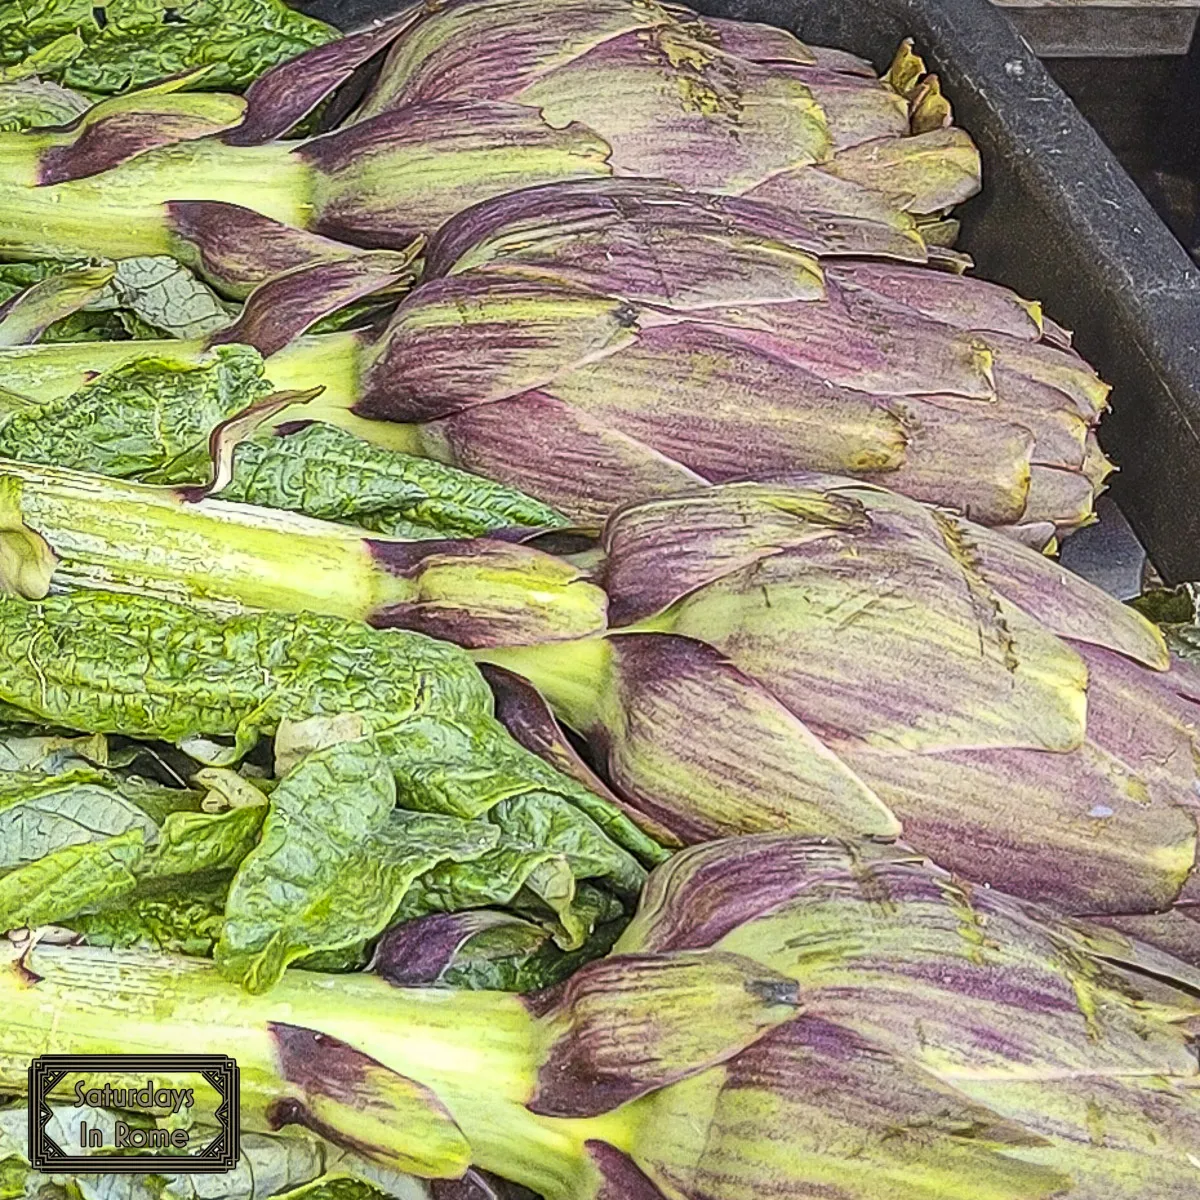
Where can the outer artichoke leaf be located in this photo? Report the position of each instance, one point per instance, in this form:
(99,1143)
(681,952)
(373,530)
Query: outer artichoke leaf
(860,1122)
(402,173)
(121,127)
(759,43)
(707,751)
(963,981)
(471,49)
(856,109)
(25,317)
(1079,831)
(1115,1139)
(938,170)
(861,660)
(660,550)
(1063,602)
(677,109)
(479,592)
(523,712)
(707,891)
(238,249)
(579,464)
(625,1026)
(471,339)
(891,355)
(961,301)
(539,226)
(359,1104)
(699,394)
(285,306)
(278,99)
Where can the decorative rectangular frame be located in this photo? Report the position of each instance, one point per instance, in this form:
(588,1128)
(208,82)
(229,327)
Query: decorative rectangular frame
(220,1154)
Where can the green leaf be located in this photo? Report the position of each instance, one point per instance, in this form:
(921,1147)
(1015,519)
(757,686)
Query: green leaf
(139,418)
(67,880)
(40,814)
(129,43)
(189,922)
(327,472)
(335,859)
(196,842)
(29,103)
(167,297)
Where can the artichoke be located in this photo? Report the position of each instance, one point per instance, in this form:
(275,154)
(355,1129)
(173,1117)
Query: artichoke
(477,100)
(601,342)
(826,657)
(785,1017)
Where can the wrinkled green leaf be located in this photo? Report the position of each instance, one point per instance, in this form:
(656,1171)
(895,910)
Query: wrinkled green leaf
(28,103)
(41,814)
(128,43)
(72,878)
(166,296)
(137,419)
(1176,611)
(188,922)
(336,858)
(195,842)
(326,472)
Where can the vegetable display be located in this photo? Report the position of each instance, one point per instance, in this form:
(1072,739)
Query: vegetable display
(784,1016)
(596,343)
(529,617)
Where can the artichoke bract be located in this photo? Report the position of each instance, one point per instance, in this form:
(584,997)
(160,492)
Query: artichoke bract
(599,342)
(784,1017)
(476,100)
(824,656)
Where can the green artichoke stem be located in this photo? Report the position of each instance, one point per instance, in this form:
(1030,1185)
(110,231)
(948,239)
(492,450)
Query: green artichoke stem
(120,212)
(476,1052)
(572,676)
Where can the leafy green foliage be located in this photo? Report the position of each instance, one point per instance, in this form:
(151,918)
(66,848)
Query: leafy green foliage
(129,43)
(421,803)
(149,297)
(148,418)
(27,103)
(326,472)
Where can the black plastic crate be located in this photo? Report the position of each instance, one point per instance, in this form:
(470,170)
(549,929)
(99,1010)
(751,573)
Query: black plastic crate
(1059,220)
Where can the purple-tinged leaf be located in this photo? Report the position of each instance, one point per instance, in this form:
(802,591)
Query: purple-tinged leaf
(476,49)
(580,466)
(527,717)
(118,129)
(278,99)
(384,181)
(416,953)
(625,1026)
(660,550)
(700,746)
(498,229)
(284,307)
(357,1103)
(673,108)
(622,1178)
(482,592)
(758,43)
(856,1122)
(238,249)
(1066,604)
(858,110)
(706,891)
(959,300)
